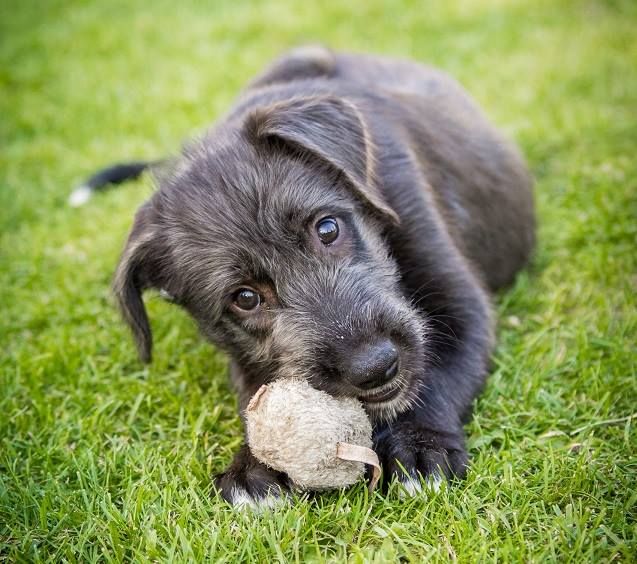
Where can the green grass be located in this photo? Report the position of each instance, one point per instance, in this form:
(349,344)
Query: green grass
(104,459)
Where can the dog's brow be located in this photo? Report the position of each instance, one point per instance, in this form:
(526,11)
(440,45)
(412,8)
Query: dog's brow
(244,271)
(335,210)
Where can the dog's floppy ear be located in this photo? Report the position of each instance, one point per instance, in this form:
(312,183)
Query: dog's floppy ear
(335,130)
(134,274)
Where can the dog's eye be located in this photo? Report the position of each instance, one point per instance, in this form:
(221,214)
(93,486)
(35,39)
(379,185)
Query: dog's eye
(327,229)
(246,299)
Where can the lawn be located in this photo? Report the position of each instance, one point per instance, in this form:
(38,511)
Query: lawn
(102,458)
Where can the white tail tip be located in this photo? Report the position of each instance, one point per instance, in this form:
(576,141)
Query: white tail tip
(80,196)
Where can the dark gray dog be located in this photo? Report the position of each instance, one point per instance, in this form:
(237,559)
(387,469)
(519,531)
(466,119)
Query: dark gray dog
(344,222)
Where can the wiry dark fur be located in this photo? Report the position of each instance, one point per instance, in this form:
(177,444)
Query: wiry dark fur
(435,210)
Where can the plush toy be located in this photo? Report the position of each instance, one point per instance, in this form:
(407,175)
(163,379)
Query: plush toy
(319,441)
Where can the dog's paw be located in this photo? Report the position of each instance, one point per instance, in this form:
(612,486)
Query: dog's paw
(420,459)
(248,484)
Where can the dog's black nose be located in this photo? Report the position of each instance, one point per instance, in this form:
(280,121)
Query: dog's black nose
(373,365)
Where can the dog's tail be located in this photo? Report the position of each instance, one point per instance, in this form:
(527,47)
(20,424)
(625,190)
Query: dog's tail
(102,179)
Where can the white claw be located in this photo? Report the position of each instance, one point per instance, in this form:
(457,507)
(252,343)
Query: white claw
(434,482)
(411,487)
(241,499)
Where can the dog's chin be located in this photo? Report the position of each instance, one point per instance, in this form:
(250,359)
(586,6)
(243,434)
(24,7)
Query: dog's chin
(385,403)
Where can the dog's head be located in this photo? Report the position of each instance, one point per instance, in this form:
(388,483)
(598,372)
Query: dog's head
(271,234)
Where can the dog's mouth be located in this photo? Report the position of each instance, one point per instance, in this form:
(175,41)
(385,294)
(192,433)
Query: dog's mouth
(384,404)
(381,395)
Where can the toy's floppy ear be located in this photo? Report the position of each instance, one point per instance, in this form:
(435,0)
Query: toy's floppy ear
(135,273)
(333,129)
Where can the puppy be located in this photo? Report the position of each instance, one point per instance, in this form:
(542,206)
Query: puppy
(345,221)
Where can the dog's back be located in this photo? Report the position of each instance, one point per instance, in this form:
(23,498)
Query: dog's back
(475,177)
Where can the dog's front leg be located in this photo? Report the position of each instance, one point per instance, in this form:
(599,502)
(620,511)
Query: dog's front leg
(247,482)
(427,441)
(416,448)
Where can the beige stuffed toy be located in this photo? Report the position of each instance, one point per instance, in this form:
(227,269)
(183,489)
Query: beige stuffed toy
(319,441)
